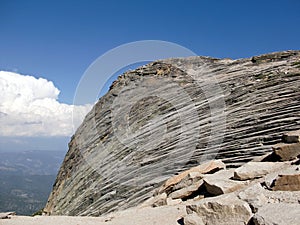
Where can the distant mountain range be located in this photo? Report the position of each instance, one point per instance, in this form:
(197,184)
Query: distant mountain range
(26,178)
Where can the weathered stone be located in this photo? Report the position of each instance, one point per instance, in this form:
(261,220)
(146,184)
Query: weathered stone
(225,209)
(252,170)
(193,172)
(193,219)
(287,152)
(287,182)
(254,196)
(291,137)
(220,183)
(187,191)
(278,213)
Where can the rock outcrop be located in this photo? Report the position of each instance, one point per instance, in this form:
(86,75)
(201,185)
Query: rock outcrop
(171,115)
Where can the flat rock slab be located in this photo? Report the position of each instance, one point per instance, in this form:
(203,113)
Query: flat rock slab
(220,183)
(225,209)
(252,170)
(278,213)
(287,182)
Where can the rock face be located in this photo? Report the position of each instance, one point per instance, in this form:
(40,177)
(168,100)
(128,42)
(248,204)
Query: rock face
(169,116)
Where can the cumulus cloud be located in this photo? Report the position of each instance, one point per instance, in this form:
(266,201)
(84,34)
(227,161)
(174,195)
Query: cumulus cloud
(29,106)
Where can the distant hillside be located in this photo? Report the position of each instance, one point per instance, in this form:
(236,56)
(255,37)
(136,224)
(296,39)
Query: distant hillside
(26,179)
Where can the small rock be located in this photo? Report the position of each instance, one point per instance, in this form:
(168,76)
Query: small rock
(171,201)
(278,213)
(287,152)
(7,215)
(220,183)
(291,137)
(198,197)
(225,209)
(252,170)
(193,219)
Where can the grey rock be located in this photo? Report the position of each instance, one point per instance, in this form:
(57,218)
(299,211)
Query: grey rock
(225,209)
(278,213)
(169,116)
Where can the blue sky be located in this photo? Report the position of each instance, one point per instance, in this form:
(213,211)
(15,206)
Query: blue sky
(58,40)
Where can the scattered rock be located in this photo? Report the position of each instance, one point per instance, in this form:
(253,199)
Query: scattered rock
(204,168)
(291,137)
(225,209)
(252,170)
(220,183)
(287,152)
(187,191)
(278,213)
(190,179)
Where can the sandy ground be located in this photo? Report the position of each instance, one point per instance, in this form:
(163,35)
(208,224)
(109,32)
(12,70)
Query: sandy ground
(143,216)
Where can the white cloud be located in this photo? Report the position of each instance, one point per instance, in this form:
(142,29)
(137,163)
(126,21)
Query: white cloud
(29,107)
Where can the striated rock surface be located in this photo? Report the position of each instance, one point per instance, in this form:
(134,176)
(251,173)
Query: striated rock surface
(169,116)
